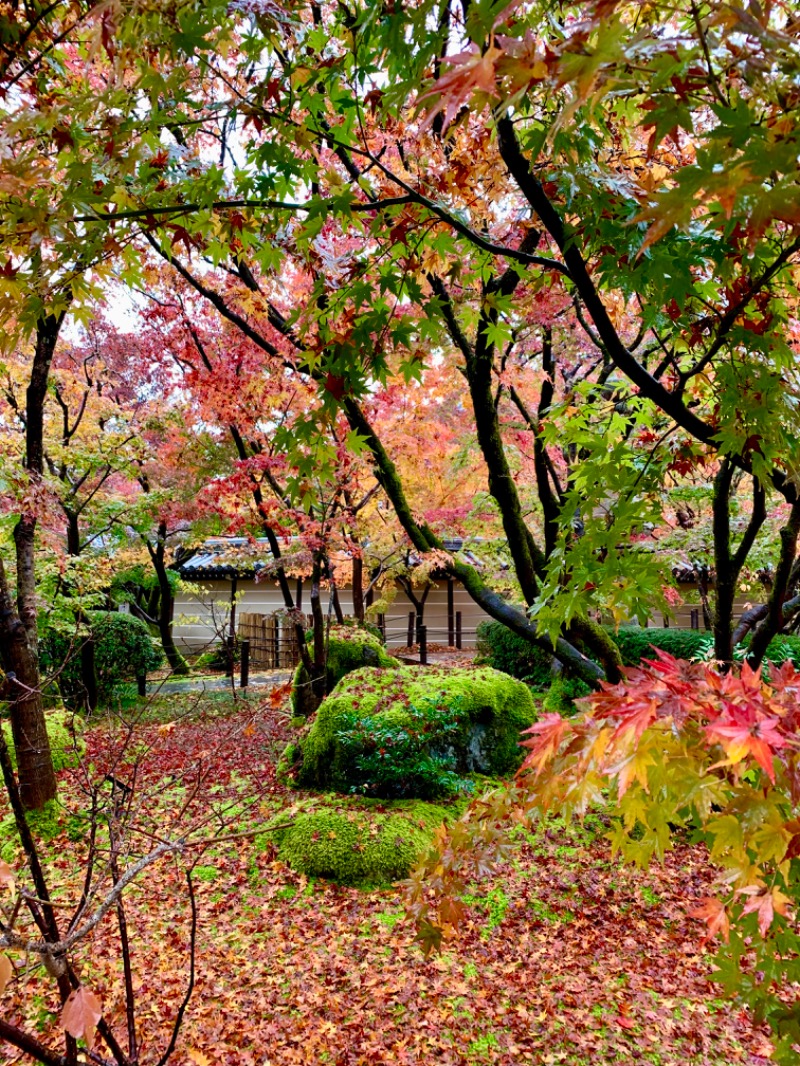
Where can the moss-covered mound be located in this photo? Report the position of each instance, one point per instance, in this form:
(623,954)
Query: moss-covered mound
(361,842)
(463,721)
(349,648)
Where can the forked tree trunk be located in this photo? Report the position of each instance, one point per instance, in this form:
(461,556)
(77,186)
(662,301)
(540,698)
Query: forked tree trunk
(176,661)
(20,646)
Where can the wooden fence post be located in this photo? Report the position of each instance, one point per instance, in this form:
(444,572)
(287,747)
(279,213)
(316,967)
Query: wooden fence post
(422,634)
(411,617)
(451,622)
(229,649)
(458,629)
(141,684)
(244,680)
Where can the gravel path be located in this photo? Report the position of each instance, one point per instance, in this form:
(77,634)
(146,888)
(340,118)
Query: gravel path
(215,684)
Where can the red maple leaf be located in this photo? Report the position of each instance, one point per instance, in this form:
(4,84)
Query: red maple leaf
(741,732)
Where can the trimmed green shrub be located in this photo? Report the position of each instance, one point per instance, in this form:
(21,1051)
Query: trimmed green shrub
(782,648)
(502,649)
(563,692)
(350,648)
(492,709)
(358,843)
(123,649)
(636,643)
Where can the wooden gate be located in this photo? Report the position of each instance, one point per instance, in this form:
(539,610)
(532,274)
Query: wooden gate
(273,640)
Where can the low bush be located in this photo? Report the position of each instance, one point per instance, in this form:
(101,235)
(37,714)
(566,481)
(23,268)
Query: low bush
(482,712)
(563,692)
(123,650)
(636,643)
(397,760)
(358,843)
(785,648)
(502,649)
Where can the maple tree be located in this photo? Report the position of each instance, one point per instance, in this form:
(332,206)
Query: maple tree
(589,209)
(425,216)
(676,748)
(384,264)
(276,465)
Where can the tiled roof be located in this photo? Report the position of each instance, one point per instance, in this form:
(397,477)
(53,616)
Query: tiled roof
(225,558)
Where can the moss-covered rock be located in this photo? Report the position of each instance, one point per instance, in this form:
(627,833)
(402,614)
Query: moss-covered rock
(484,710)
(65,732)
(350,648)
(358,842)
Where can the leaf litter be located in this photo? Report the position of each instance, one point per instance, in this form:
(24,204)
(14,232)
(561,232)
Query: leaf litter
(566,956)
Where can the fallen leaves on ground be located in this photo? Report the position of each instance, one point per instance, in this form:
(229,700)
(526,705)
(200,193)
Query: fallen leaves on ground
(566,958)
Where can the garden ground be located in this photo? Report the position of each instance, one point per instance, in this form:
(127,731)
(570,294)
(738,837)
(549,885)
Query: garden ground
(568,958)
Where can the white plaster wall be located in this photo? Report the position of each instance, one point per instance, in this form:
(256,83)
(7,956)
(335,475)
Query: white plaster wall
(202,611)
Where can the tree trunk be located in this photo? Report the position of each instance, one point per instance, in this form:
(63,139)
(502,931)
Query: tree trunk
(729,564)
(37,779)
(358,588)
(771,625)
(176,661)
(89,696)
(317,688)
(336,604)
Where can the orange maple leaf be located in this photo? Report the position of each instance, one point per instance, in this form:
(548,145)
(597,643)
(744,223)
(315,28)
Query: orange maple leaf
(714,914)
(548,733)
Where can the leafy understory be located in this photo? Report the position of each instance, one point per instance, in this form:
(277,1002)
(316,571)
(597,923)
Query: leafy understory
(565,957)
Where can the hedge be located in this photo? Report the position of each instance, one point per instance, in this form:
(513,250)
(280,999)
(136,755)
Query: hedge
(502,649)
(636,643)
(123,650)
